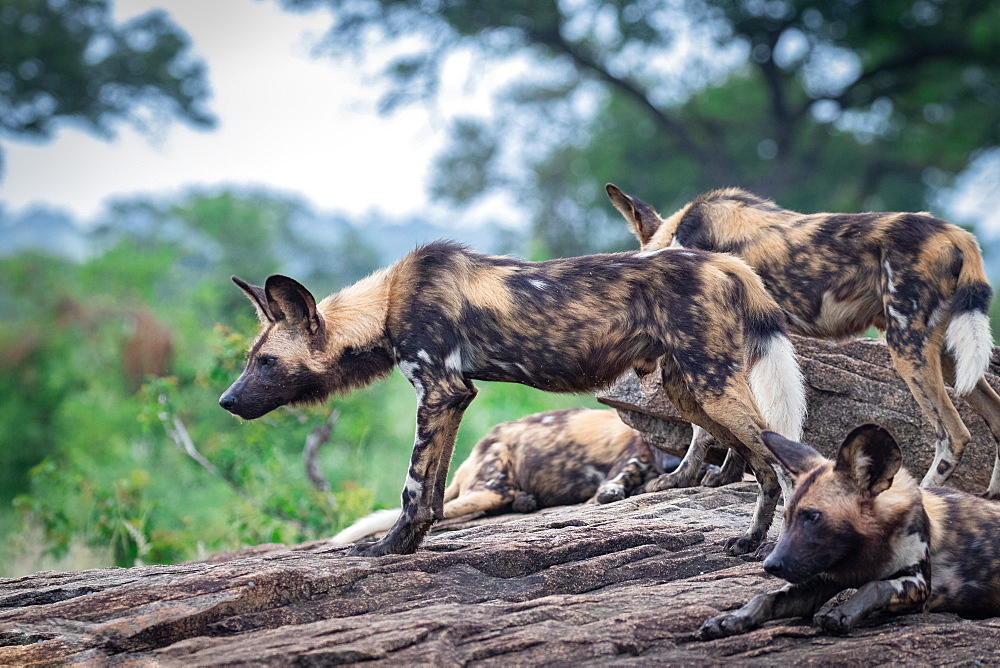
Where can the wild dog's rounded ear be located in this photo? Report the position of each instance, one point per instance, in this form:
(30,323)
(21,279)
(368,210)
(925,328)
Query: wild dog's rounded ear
(796,457)
(259,299)
(289,301)
(642,218)
(871,457)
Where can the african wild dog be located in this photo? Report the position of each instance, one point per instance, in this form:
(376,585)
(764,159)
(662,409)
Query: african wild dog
(447,316)
(863,522)
(917,278)
(547,459)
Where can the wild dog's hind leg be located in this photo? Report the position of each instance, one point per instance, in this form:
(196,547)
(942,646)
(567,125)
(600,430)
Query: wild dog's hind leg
(733,419)
(916,354)
(627,474)
(491,485)
(478,502)
(985,401)
(442,398)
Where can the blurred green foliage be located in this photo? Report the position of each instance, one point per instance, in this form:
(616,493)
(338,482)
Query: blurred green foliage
(90,466)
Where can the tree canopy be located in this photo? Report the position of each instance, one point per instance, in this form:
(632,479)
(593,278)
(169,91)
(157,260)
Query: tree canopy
(838,104)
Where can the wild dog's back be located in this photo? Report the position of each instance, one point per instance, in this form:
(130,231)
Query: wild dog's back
(573,324)
(965,552)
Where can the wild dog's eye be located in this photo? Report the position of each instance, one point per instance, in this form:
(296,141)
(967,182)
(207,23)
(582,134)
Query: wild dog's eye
(810,516)
(268,360)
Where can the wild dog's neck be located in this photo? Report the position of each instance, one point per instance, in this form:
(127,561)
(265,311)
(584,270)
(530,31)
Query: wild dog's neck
(356,316)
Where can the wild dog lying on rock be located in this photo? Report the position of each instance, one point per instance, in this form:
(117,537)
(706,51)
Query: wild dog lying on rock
(447,316)
(863,522)
(917,278)
(547,459)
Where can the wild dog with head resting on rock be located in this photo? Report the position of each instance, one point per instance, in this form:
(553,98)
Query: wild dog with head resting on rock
(447,316)
(863,522)
(917,278)
(547,459)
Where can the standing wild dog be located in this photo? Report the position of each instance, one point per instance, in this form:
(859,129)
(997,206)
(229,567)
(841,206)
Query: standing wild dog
(863,522)
(917,278)
(542,460)
(447,316)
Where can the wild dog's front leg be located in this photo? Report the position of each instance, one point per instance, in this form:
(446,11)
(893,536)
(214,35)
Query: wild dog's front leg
(909,591)
(441,405)
(792,600)
(917,357)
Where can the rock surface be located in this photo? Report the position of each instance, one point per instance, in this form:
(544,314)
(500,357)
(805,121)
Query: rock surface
(848,383)
(623,584)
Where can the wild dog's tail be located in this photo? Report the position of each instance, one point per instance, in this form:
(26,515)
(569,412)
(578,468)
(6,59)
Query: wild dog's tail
(380,520)
(775,377)
(968,338)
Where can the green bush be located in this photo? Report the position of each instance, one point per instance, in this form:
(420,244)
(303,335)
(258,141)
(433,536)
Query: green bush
(95,473)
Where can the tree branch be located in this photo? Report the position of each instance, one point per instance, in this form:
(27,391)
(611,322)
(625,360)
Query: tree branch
(905,61)
(314,441)
(718,171)
(179,433)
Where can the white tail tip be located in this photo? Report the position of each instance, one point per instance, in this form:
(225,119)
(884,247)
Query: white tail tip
(380,520)
(779,388)
(969,341)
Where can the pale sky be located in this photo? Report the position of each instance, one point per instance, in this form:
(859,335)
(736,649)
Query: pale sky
(287,120)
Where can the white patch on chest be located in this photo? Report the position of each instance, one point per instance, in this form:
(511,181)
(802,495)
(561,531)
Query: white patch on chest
(409,371)
(911,550)
(453,361)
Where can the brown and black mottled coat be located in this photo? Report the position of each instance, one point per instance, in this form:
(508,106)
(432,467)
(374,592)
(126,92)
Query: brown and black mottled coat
(447,316)
(546,459)
(918,278)
(862,522)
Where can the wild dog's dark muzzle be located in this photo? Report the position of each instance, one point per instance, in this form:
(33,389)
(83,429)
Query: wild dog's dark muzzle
(228,401)
(236,401)
(774,565)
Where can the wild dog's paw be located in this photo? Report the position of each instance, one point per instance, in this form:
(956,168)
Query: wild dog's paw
(610,493)
(835,621)
(729,624)
(365,550)
(741,545)
(671,481)
(524,503)
(760,554)
(717,476)
(376,549)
